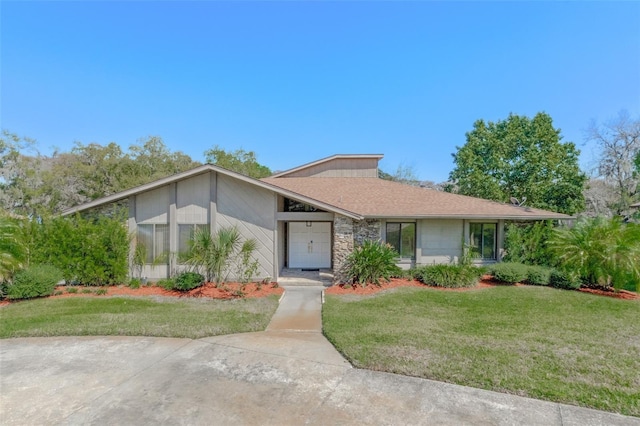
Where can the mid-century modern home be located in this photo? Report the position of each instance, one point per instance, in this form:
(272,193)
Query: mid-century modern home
(312,216)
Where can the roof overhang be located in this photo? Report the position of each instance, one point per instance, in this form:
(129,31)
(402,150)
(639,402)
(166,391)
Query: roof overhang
(198,171)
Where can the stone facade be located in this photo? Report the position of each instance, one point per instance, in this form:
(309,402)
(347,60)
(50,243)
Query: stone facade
(347,234)
(367,229)
(342,246)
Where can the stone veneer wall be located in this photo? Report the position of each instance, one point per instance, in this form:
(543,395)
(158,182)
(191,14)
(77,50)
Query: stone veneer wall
(346,235)
(367,229)
(342,246)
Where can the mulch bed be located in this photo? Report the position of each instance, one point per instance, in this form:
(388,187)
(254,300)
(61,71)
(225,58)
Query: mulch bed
(485,282)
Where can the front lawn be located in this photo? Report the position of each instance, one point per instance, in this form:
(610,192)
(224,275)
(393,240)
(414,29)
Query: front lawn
(121,316)
(539,342)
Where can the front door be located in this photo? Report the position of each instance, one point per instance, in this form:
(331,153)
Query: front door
(309,244)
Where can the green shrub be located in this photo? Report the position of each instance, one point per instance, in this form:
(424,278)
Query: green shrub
(567,280)
(371,262)
(166,283)
(34,281)
(101,291)
(135,283)
(538,275)
(72,290)
(91,251)
(527,243)
(4,285)
(188,281)
(451,276)
(509,272)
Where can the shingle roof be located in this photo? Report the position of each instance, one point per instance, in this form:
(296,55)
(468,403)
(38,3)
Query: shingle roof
(373,197)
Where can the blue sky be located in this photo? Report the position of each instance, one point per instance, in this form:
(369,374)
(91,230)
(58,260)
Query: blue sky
(298,81)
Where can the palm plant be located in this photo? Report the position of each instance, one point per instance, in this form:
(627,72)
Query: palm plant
(12,250)
(603,251)
(214,254)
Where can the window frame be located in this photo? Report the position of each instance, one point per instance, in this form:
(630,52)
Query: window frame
(400,238)
(152,249)
(193,228)
(477,252)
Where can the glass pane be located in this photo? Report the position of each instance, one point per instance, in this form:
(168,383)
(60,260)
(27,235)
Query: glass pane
(184,235)
(408,243)
(475,239)
(145,239)
(489,241)
(162,243)
(393,235)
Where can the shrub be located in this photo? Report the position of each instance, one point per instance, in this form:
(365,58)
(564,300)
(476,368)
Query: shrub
(101,291)
(538,275)
(166,283)
(72,290)
(508,272)
(188,281)
(605,252)
(34,281)
(372,262)
(135,283)
(92,251)
(568,280)
(451,276)
(527,243)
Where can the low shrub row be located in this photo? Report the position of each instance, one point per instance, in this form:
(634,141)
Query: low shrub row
(512,273)
(448,275)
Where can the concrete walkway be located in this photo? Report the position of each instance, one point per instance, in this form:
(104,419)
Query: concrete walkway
(287,375)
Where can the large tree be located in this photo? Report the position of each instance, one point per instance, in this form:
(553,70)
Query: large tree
(240,161)
(619,143)
(520,158)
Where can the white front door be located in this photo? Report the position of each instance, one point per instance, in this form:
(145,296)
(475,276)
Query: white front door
(309,244)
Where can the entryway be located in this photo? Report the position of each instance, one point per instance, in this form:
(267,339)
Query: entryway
(309,245)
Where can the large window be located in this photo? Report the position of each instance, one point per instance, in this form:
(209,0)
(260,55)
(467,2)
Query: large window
(185,233)
(482,238)
(402,236)
(155,239)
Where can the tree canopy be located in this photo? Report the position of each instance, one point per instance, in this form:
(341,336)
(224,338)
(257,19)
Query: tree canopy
(619,160)
(240,161)
(520,157)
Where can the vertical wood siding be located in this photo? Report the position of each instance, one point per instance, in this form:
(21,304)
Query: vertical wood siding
(193,200)
(153,206)
(341,167)
(252,210)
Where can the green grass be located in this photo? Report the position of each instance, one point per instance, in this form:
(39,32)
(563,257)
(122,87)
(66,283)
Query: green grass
(135,317)
(538,342)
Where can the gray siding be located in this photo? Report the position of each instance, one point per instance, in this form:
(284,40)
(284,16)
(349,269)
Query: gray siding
(439,241)
(193,197)
(252,210)
(341,167)
(153,206)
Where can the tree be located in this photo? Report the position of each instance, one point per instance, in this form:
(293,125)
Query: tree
(522,158)
(619,142)
(240,161)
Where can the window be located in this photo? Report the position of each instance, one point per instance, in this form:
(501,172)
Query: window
(482,238)
(155,239)
(185,233)
(297,206)
(402,236)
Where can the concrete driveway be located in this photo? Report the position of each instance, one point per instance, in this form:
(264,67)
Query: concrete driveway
(289,374)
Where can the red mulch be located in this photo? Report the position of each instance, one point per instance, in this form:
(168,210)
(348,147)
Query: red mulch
(485,282)
(226,291)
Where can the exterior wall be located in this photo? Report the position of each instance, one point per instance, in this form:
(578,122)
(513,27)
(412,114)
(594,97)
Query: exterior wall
(252,210)
(343,244)
(340,167)
(439,241)
(192,200)
(367,229)
(152,206)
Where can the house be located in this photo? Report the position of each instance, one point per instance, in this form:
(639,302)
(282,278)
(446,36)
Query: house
(312,216)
